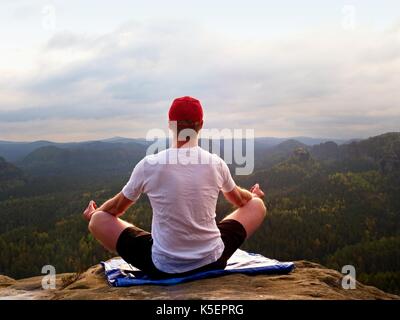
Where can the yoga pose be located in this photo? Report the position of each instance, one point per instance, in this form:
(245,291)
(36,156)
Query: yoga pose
(182,183)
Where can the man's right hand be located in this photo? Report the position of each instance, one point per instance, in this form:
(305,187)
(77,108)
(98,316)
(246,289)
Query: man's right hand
(90,209)
(256,191)
(239,196)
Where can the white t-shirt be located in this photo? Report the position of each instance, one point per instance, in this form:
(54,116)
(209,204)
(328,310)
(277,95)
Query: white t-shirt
(183,186)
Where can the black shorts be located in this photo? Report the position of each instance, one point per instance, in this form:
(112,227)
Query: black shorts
(134,246)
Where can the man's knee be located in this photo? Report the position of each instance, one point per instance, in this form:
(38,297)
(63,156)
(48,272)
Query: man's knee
(97,218)
(258,206)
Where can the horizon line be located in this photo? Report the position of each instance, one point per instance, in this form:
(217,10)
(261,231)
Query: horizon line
(144,139)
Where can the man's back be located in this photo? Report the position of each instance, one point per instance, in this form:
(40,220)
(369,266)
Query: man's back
(183,186)
(182,183)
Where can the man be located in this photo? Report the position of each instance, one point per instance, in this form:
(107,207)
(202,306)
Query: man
(182,183)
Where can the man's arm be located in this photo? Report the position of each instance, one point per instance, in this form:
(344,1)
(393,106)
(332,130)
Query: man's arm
(117,205)
(238,196)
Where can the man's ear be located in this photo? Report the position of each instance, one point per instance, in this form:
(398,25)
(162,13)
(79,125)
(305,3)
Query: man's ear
(201,125)
(172,125)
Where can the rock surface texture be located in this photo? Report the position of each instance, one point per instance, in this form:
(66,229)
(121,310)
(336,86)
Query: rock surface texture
(307,281)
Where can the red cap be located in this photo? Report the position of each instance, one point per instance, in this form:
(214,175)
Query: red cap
(185,108)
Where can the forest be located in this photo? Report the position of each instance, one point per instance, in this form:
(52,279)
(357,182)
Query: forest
(332,203)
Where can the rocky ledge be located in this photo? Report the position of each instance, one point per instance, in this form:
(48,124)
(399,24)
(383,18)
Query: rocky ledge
(307,281)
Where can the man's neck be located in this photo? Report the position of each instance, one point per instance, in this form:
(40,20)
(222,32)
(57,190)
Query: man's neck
(194,142)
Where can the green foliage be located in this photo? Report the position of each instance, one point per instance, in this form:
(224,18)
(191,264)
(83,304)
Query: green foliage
(334,205)
(378,262)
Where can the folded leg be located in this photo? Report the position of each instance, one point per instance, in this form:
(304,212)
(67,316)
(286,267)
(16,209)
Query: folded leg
(251,215)
(107,228)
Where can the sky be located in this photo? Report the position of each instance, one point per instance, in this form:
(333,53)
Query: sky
(83,70)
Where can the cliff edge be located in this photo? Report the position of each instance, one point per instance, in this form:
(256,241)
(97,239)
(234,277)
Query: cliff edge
(308,281)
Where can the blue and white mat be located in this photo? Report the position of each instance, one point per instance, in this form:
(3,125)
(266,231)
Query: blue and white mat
(121,274)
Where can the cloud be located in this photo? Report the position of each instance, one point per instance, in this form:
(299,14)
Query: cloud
(328,83)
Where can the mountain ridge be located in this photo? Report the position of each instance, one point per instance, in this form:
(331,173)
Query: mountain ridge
(16,150)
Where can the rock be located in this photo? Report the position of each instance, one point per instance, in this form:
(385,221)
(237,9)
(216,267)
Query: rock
(308,281)
(6,281)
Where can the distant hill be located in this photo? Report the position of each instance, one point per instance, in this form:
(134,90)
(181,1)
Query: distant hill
(265,158)
(16,151)
(288,146)
(313,141)
(125,140)
(10,176)
(85,158)
(379,152)
(13,151)
(8,171)
(378,148)
(118,154)
(326,151)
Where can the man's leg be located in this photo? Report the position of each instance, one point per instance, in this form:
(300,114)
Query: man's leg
(251,215)
(134,244)
(107,228)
